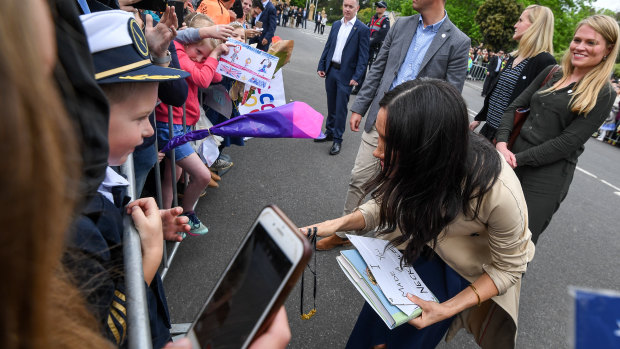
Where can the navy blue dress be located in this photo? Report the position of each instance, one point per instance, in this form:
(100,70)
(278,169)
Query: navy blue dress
(370,330)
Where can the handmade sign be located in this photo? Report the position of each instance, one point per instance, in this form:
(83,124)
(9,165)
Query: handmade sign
(265,98)
(247,64)
(217,98)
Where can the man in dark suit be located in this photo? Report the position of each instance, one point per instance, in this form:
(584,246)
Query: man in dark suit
(423,45)
(268,18)
(342,64)
(493,69)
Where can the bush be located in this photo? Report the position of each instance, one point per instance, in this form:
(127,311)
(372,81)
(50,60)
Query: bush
(558,56)
(365,14)
(617,70)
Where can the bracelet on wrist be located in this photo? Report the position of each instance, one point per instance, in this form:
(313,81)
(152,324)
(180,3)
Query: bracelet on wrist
(167,58)
(476,292)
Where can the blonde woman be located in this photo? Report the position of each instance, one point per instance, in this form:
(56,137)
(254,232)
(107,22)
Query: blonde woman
(534,32)
(563,115)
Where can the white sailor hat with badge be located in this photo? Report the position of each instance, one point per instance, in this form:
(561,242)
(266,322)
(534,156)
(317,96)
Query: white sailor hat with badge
(120,51)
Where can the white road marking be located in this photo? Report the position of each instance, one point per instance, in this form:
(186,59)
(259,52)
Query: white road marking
(586,172)
(602,180)
(611,185)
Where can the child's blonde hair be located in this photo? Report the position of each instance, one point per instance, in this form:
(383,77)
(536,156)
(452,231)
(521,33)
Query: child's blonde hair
(237,25)
(199,20)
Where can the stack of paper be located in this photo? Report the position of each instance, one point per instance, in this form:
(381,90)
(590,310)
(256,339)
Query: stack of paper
(375,270)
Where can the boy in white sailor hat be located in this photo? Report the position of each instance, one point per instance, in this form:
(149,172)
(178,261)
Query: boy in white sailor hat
(129,79)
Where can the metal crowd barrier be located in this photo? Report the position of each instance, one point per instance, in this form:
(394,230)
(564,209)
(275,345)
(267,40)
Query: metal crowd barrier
(167,260)
(138,328)
(477,72)
(139,332)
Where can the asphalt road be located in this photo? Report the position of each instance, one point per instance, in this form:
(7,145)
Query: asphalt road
(580,247)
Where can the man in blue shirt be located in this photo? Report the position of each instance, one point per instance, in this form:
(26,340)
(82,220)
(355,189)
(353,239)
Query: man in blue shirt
(424,45)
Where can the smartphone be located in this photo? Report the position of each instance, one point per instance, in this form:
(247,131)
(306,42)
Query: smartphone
(153,5)
(256,282)
(258,24)
(179,9)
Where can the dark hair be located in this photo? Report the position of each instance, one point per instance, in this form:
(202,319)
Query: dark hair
(258,4)
(237,8)
(433,167)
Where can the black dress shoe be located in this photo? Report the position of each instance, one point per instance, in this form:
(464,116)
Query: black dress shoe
(335,149)
(326,138)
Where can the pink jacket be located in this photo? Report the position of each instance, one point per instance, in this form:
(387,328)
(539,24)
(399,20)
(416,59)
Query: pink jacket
(201,75)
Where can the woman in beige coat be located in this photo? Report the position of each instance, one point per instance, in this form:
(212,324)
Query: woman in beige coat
(443,191)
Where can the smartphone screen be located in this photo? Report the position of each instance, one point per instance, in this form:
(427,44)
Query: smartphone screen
(244,293)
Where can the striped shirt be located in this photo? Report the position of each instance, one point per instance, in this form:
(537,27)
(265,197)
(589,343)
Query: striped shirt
(500,97)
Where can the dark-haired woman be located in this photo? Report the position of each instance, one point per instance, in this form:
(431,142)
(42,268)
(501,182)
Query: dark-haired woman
(457,211)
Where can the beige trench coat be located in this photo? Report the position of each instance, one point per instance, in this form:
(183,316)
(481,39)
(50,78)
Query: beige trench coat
(498,243)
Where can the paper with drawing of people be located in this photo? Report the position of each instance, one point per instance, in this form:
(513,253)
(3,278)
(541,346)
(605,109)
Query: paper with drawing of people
(248,64)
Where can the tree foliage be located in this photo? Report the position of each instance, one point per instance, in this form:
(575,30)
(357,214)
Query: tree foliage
(494,26)
(496,19)
(462,14)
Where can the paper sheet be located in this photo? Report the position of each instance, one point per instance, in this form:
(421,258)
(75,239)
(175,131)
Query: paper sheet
(395,282)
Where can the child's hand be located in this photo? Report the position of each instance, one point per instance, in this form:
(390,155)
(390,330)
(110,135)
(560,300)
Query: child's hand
(220,32)
(147,220)
(160,156)
(221,49)
(172,224)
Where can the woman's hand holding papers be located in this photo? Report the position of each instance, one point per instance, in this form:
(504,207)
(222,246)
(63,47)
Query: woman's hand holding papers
(480,291)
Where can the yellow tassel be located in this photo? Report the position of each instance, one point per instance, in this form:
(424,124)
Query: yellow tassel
(309,315)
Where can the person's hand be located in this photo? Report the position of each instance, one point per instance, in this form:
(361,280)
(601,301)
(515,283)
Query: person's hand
(264,42)
(125,5)
(188,5)
(147,220)
(220,32)
(251,33)
(221,49)
(474,124)
(324,229)
(183,343)
(160,156)
(277,336)
(355,121)
(232,15)
(352,83)
(173,224)
(432,312)
(502,147)
(321,73)
(159,37)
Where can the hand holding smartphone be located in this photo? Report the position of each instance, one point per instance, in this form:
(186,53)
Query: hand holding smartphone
(254,285)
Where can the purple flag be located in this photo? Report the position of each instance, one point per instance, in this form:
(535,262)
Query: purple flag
(293,120)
